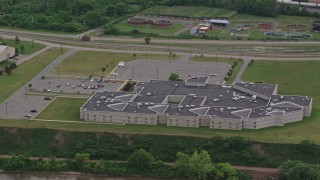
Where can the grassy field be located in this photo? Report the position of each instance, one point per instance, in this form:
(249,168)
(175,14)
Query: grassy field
(63,109)
(125,27)
(222,60)
(190,11)
(91,63)
(280,25)
(28,47)
(25,72)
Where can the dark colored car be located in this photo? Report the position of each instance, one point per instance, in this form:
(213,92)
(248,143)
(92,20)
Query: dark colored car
(47,98)
(33,111)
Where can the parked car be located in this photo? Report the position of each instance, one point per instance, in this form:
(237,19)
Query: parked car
(28,115)
(33,111)
(114,74)
(47,98)
(213,74)
(121,64)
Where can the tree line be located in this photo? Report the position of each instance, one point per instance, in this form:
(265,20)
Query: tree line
(62,15)
(197,166)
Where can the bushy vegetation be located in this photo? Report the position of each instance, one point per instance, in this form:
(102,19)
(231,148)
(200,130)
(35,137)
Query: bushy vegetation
(61,15)
(140,162)
(234,150)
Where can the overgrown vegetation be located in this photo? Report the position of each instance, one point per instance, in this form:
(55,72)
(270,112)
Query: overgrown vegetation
(234,150)
(140,162)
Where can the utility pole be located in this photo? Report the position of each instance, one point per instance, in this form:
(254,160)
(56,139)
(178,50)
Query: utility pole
(132,72)
(49,84)
(157,73)
(216,60)
(84,26)
(6,108)
(146,56)
(58,71)
(26,92)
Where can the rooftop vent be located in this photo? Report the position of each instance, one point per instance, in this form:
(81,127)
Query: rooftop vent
(148,94)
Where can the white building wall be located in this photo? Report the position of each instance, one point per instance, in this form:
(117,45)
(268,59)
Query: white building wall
(8,52)
(183,121)
(225,123)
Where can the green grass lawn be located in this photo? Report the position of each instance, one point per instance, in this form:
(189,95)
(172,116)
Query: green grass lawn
(222,60)
(90,62)
(294,78)
(190,11)
(63,109)
(28,47)
(125,27)
(25,72)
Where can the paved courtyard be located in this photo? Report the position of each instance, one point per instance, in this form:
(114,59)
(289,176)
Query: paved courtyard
(143,70)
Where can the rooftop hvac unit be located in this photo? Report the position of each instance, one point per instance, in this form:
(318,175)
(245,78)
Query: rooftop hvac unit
(148,94)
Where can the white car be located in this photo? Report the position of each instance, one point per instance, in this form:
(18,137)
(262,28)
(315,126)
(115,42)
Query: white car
(114,74)
(121,64)
(213,74)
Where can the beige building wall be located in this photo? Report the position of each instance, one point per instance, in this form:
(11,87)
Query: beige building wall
(7,53)
(183,121)
(225,123)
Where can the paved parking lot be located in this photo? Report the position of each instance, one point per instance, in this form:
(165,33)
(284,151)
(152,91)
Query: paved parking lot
(69,85)
(143,70)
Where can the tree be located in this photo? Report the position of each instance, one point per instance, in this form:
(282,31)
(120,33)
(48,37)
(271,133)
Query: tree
(30,86)
(299,170)
(196,166)
(200,165)
(16,51)
(17,40)
(80,160)
(224,171)
(99,167)
(174,77)
(182,164)
(147,40)
(140,160)
(103,69)
(8,70)
(22,48)
(134,55)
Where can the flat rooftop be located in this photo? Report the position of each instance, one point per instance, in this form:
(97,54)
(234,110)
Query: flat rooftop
(175,98)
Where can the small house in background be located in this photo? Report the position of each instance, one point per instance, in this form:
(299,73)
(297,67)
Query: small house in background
(204,30)
(194,30)
(316,26)
(86,38)
(219,22)
(265,26)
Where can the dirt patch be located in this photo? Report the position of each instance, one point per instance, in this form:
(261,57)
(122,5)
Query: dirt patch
(99,134)
(297,27)
(12,130)
(61,137)
(256,175)
(258,149)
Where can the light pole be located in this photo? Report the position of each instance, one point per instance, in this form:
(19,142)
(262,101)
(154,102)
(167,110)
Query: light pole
(157,73)
(49,84)
(26,92)
(58,71)
(42,62)
(146,56)
(216,59)
(6,108)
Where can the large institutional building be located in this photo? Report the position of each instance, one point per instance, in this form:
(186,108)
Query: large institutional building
(6,52)
(194,103)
